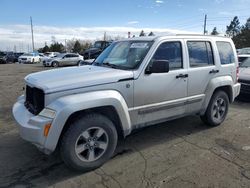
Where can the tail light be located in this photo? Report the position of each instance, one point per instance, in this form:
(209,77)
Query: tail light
(237,73)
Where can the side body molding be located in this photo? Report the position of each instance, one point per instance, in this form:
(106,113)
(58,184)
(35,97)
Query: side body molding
(65,106)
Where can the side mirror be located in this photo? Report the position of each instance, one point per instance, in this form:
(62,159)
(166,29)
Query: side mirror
(158,66)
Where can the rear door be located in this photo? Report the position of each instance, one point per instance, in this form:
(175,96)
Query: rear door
(201,69)
(66,59)
(75,59)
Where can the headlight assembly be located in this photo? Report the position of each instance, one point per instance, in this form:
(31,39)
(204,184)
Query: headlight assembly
(48,113)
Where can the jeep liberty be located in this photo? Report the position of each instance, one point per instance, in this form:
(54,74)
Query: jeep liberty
(134,83)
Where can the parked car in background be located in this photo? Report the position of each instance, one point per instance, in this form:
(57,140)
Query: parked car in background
(43,57)
(29,58)
(64,59)
(86,62)
(244,75)
(47,55)
(243,51)
(11,57)
(243,57)
(96,49)
(2,54)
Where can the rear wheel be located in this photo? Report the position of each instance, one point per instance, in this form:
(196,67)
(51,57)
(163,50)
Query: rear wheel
(89,142)
(217,109)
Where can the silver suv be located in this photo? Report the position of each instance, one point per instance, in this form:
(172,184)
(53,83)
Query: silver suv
(134,83)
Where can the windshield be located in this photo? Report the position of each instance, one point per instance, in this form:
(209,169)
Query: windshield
(124,54)
(98,45)
(245,62)
(60,55)
(48,53)
(244,51)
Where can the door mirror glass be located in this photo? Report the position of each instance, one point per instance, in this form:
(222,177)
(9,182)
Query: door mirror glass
(158,66)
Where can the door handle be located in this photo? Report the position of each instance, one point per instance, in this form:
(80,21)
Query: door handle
(214,71)
(182,76)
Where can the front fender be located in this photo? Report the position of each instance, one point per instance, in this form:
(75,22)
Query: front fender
(67,105)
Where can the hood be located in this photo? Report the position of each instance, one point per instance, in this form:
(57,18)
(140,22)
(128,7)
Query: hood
(24,56)
(244,73)
(69,78)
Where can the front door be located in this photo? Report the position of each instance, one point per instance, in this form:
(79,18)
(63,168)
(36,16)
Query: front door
(159,96)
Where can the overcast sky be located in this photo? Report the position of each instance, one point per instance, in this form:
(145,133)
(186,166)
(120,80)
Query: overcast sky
(89,19)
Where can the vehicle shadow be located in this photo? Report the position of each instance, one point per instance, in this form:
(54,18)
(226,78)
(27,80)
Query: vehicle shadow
(32,168)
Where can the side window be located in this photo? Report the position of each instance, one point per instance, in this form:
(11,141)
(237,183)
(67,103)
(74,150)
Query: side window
(172,52)
(67,56)
(226,53)
(200,53)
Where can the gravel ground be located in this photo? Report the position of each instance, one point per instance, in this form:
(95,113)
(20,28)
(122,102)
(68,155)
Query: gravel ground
(180,153)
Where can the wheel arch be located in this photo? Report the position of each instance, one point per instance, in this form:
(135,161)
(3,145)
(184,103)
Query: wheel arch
(108,111)
(109,103)
(224,83)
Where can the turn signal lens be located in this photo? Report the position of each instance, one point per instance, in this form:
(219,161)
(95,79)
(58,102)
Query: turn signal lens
(237,73)
(46,129)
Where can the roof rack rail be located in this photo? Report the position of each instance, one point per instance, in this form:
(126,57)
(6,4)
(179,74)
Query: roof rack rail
(201,35)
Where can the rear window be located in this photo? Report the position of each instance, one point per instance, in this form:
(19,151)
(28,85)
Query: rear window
(226,53)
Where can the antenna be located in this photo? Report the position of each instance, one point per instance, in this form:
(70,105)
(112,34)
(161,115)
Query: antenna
(205,25)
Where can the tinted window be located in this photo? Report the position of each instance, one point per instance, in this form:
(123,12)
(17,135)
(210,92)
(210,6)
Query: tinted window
(172,52)
(74,55)
(226,53)
(200,54)
(245,62)
(67,56)
(241,59)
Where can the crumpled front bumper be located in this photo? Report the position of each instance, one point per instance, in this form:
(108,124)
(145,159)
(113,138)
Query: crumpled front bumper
(31,127)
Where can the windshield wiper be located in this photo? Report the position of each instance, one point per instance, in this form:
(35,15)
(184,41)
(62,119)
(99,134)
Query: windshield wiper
(96,63)
(110,65)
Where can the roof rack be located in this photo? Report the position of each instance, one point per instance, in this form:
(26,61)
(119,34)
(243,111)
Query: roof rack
(201,35)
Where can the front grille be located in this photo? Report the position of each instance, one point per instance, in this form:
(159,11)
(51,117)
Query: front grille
(24,59)
(244,81)
(34,100)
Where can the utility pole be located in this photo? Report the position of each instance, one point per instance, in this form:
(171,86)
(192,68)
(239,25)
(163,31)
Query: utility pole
(205,24)
(31,25)
(65,45)
(104,36)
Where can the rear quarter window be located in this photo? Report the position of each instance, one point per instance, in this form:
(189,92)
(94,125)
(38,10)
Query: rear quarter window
(226,53)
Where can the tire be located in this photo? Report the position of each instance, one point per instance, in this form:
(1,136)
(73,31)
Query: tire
(55,64)
(78,63)
(84,135)
(217,109)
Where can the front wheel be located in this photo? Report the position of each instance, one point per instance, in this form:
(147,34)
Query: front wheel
(89,142)
(217,109)
(55,64)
